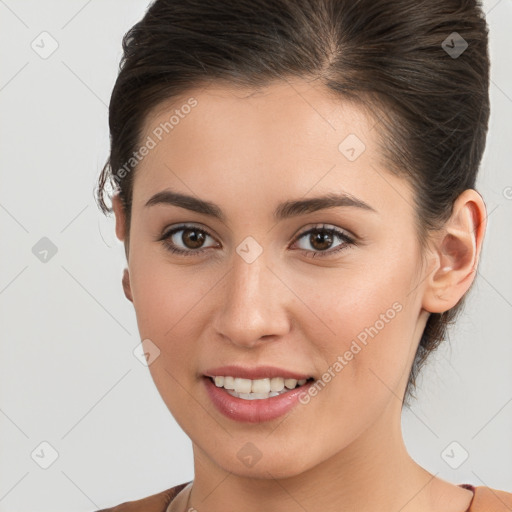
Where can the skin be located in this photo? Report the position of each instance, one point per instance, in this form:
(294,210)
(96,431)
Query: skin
(247,151)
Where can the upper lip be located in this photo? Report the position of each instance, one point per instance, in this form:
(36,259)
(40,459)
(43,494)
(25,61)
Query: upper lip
(256,372)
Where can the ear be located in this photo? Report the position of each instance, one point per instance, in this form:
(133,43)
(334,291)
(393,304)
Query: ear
(118,207)
(455,253)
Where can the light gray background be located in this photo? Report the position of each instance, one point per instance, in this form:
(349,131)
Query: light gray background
(68,375)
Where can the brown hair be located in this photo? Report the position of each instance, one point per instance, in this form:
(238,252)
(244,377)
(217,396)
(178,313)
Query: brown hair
(401,59)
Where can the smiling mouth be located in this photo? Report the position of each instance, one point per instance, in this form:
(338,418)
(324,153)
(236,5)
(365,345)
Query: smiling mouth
(257,389)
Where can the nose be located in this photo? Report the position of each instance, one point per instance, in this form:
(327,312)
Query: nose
(254,304)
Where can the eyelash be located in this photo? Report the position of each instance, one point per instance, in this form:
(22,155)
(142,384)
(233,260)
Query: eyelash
(348,241)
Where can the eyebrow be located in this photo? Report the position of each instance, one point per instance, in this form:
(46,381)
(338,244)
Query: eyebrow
(283,211)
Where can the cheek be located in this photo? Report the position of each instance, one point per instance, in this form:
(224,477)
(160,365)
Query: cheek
(365,358)
(167,300)
(363,321)
(164,293)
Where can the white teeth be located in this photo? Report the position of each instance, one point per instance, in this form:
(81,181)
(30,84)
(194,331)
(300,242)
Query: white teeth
(276,384)
(253,396)
(258,388)
(290,383)
(229,382)
(243,385)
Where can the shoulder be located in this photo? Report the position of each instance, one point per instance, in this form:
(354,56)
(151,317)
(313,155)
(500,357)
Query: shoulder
(487,499)
(154,503)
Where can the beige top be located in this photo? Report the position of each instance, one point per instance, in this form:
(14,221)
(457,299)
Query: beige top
(179,504)
(482,498)
(175,499)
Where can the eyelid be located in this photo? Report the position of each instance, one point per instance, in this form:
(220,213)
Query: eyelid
(327,227)
(183,226)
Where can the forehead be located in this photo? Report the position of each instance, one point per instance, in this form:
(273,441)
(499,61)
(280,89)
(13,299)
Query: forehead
(285,108)
(291,136)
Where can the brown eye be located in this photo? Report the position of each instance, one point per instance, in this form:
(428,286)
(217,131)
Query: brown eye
(192,238)
(321,238)
(187,240)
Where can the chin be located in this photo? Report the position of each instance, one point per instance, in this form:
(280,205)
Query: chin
(264,462)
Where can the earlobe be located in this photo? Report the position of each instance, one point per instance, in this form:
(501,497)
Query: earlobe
(456,251)
(126,285)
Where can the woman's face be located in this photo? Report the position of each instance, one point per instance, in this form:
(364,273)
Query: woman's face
(255,288)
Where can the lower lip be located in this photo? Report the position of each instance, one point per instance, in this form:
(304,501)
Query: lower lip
(253,411)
